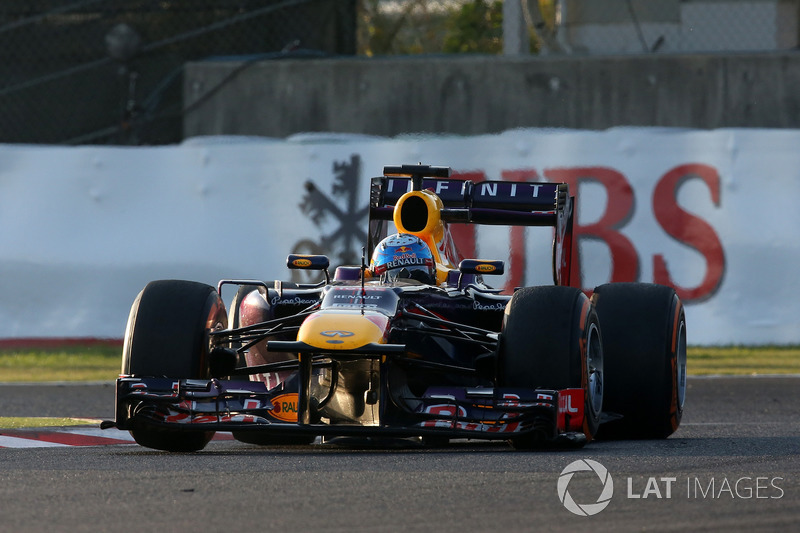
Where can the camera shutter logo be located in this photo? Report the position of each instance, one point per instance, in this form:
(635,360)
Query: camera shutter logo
(585,509)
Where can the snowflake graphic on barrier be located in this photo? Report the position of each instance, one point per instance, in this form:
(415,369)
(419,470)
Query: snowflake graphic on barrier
(343,244)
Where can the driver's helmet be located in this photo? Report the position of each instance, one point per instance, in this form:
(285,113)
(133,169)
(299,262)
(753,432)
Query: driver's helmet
(403,256)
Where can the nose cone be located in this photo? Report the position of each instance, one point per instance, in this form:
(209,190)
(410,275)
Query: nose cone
(343,329)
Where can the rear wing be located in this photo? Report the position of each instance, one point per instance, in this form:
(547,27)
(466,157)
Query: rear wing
(508,203)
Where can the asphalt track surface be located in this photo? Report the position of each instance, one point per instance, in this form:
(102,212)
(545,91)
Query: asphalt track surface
(733,465)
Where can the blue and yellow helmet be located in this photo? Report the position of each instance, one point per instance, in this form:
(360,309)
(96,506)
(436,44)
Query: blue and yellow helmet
(403,256)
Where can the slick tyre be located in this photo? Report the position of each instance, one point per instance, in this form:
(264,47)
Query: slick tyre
(235,321)
(551,339)
(257,437)
(167,336)
(644,342)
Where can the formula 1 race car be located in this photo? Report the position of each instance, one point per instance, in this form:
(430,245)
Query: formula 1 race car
(414,345)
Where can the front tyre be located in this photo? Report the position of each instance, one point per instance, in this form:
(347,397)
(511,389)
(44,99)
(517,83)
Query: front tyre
(167,336)
(551,339)
(644,340)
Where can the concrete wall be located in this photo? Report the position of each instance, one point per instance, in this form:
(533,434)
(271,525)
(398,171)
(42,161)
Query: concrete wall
(678,26)
(487,94)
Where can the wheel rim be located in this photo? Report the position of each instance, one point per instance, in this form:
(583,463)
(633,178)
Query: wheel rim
(680,357)
(594,364)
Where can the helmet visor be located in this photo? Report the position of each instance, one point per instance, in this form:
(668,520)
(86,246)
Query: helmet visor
(420,269)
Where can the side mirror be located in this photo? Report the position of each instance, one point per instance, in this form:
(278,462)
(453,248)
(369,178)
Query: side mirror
(482,266)
(309,262)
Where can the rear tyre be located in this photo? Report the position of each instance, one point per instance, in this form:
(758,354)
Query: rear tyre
(551,339)
(167,336)
(644,341)
(236,322)
(256,437)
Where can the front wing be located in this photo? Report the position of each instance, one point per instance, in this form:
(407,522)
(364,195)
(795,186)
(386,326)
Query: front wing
(451,412)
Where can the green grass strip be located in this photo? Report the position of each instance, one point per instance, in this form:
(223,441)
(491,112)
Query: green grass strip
(743,360)
(95,362)
(16,422)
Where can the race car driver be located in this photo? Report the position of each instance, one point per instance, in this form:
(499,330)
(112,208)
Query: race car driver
(403,256)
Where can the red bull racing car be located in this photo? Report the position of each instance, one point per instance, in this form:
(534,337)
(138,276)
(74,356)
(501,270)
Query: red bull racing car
(414,344)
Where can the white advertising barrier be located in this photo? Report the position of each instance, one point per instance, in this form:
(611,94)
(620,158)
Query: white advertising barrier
(714,213)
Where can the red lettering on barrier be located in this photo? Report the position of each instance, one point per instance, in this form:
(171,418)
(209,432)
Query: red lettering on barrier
(624,259)
(689,229)
(683,226)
